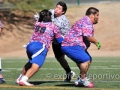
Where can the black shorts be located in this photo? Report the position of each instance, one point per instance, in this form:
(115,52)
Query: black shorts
(57,50)
(87,43)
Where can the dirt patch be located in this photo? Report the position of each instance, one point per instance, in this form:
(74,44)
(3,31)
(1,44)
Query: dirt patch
(18,27)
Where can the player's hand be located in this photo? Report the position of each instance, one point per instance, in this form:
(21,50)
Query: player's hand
(98,45)
(36,16)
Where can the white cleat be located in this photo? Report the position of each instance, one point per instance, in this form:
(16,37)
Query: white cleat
(17,81)
(85,83)
(25,83)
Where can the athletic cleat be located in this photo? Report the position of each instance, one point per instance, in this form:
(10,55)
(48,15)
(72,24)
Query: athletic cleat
(78,82)
(17,81)
(69,75)
(85,83)
(90,85)
(2,80)
(25,83)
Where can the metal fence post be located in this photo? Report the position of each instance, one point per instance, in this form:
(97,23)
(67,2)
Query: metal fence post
(78,1)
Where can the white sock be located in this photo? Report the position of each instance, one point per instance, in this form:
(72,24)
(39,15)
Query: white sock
(24,78)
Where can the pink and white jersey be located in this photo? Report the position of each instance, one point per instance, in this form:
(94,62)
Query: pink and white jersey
(45,32)
(83,27)
(0,24)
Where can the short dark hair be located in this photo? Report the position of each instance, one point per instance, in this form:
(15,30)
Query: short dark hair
(63,5)
(91,10)
(45,16)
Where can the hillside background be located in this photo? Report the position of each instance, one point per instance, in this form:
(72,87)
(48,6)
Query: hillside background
(18,28)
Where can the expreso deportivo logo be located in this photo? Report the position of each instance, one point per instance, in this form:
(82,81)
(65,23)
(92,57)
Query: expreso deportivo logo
(107,76)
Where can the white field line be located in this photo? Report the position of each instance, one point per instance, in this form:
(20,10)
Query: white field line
(54,61)
(115,66)
(73,68)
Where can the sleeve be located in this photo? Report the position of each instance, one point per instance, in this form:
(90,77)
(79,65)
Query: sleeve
(63,24)
(88,30)
(58,35)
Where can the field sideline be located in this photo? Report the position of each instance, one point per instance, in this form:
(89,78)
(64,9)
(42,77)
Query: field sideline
(104,72)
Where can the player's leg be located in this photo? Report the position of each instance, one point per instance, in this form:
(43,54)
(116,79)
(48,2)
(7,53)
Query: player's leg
(30,72)
(63,62)
(90,59)
(38,54)
(2,80)
(37,62)
(25,68)
(79,56)
(83,79)
(83,69)
(69,74)
(84,66)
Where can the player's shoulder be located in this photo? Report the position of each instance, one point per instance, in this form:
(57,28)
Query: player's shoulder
(52,11)
(63,16)
(51,24)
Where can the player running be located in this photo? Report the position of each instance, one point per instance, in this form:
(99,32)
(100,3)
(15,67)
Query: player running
(2,80)
(74,46)
(44,33)
(59,18)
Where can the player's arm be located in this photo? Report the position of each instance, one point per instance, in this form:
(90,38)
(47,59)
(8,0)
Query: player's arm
(58,36)
(88,32)
(93,40)
(59,40)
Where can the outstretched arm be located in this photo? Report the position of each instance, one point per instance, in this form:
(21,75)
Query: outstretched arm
(93,40)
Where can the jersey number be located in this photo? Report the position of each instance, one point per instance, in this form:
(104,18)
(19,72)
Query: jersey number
(40,29)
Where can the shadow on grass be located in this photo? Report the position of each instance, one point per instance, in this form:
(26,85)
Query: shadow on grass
(66,84)
(69,85)
(42,82)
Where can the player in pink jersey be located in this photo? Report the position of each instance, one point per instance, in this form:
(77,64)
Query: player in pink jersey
(59,18)
(44,33)
(1,76)
(76,42)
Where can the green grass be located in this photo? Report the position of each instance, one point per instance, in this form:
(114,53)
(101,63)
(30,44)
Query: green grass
(104,72)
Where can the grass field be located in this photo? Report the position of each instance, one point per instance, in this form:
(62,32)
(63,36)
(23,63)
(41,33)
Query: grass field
(104,72)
